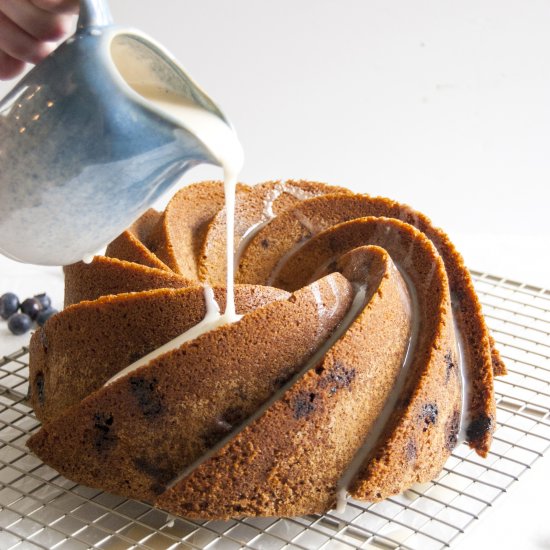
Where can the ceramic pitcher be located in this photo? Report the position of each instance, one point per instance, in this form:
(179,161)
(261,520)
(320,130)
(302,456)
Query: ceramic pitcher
(82,154)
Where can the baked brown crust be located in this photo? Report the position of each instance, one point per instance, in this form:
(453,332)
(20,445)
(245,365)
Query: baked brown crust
(247,419)
(135,244)
(105,275)
(188,398)
(179,235)
(86,344)
(295,227)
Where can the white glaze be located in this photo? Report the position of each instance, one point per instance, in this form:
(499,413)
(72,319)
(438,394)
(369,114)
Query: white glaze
(316,291)
(381,421)
(230,182)
(268,214)
(89,257)
(170,521)
(283,260)
(408,292)
(305,222)
(211,321)
(465,381)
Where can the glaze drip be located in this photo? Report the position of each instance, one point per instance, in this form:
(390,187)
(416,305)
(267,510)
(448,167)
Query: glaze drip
(410,297)
(212,320)
(268,214)
(221,140)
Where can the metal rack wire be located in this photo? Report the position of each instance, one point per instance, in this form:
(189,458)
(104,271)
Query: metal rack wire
(41,509)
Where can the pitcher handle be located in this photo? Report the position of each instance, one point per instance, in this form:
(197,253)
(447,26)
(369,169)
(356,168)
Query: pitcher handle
(94,13)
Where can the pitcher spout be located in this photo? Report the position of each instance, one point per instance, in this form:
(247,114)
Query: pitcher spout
(155,81)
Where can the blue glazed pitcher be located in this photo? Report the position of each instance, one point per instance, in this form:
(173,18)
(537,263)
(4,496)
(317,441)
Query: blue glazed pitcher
(82,153)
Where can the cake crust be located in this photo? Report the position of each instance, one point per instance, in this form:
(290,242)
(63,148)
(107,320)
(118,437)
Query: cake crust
(361,332)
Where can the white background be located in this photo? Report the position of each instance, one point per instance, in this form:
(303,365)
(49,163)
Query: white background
(443,105)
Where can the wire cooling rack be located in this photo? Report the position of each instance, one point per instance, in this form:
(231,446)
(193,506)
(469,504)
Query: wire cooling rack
(41,509)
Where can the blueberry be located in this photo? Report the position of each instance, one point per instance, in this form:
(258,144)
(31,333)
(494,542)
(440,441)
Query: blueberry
(44,299)
(19,323)
(44,315)
(31,307)
(9,304)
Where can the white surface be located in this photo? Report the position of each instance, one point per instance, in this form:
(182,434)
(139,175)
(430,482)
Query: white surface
(443,105)
(518,520)
(26,281)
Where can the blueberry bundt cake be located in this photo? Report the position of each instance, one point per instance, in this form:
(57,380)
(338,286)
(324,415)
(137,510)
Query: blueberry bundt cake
(360,361)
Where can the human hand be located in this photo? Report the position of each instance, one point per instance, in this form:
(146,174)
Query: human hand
(28,29)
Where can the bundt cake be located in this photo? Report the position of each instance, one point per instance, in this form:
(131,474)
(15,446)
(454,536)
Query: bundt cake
(360,361)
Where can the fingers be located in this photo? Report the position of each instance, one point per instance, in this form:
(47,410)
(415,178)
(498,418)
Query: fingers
(9,66)
(57,6)
(40,24)
(27,28)
(15,42)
